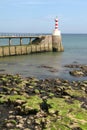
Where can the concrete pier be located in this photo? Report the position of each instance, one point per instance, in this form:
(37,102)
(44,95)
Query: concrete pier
(44,43)
(57,43)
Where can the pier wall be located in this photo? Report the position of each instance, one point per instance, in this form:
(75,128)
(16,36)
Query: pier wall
(34,47)
(39,44)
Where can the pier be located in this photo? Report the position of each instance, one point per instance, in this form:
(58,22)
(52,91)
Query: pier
(38,43)
(41,43)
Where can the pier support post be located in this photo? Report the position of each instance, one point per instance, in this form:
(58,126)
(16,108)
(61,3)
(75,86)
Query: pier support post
(30,40)
(20,41)
(9,41)
(9,45)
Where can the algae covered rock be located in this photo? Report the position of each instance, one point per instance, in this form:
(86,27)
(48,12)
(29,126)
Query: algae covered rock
(51,104)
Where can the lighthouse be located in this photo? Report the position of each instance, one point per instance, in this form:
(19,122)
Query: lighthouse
(56,30)
(56,38)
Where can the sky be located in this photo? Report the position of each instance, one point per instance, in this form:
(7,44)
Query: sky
(37,16)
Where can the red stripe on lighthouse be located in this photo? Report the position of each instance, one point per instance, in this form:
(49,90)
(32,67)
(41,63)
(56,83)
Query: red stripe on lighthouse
(56,23)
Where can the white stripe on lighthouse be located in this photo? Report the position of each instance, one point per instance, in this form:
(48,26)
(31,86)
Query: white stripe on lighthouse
(56,31)
(56,23)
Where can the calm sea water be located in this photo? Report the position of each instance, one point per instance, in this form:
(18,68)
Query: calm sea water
(75,52)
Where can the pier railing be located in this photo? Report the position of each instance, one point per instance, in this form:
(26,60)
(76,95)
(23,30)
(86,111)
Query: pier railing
(18,37)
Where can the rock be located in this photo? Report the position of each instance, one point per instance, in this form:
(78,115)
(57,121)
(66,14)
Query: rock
(11,112)
(37,91)
(10,125)
(27,129)
(19,102)
(51,69)
(20,126)
(81,70)
(76,128)
(2,70)
(73,66)
(18,117)
(28,121)
(13,92)
(42,104)
(77,73)
(21,121)
(11,117)
(84,105)
(86,90)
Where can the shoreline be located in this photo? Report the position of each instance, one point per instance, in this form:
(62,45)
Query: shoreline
(72,72)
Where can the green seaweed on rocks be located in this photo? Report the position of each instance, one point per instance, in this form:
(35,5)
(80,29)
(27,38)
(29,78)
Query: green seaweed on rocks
(33,103)
(50,104)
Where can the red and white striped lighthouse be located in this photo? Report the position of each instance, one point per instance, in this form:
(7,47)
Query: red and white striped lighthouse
(56,31)
(56,23)
(56,38)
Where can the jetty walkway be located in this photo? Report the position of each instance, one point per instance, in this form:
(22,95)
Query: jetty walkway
(37,43)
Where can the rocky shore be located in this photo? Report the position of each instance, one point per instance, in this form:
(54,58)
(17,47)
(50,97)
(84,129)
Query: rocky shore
(49,104)
(78,70)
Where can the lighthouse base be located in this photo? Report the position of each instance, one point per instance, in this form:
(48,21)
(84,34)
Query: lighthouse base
(57,43)
(51,42)
(57,32)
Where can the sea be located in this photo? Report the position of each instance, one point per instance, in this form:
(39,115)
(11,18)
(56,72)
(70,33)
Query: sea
(47,64)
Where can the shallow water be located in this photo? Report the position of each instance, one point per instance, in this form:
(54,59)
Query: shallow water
(75,46)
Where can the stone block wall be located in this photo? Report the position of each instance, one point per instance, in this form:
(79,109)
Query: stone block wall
(42,44)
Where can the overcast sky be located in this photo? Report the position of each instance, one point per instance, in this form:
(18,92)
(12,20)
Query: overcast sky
(37,16)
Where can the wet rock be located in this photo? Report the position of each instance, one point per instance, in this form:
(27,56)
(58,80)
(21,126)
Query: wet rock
(2,70)
(69,100)
(84,105)
(27,129)
(18,117)
(13,92)
(19,102)
(73,66)
(45,66)
(51,69)
(9,125)
(39,104)
(81,70)
(20,126)
(77,128)
(78,73)
(37,91)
